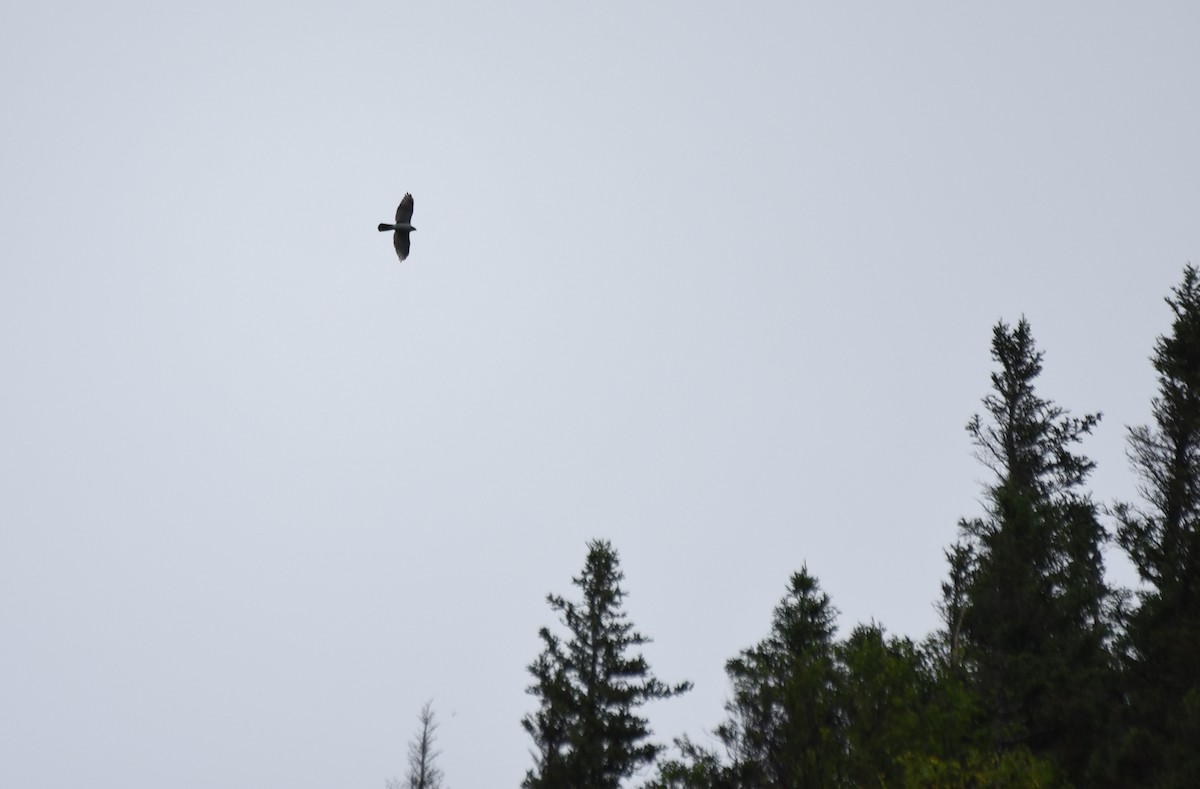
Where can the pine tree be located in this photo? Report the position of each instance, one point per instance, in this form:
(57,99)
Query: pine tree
(586,732)
(1035,620)
(1163,542)
(784,728)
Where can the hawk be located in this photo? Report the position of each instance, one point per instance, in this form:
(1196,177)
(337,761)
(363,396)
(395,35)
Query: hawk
(402,227)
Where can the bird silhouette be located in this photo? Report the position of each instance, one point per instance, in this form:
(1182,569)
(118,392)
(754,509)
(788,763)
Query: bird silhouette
(402,227)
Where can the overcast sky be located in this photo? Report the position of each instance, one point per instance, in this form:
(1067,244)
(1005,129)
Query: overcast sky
(715,281)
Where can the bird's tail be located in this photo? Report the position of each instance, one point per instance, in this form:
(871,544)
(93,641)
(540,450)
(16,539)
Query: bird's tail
(384,228)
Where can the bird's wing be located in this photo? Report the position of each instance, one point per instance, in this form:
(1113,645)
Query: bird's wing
(401,242)
(404,210)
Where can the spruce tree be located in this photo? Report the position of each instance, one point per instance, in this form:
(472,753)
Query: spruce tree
(784,727)
(1034,624)
(1163,542)
(586,731)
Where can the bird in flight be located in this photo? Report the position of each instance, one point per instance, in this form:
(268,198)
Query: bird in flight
(402,227)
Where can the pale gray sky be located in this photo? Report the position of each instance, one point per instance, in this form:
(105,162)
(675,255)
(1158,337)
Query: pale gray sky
(714,281)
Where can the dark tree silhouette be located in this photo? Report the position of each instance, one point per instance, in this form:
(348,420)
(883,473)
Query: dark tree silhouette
(1035,619)
(784,728)
(586,732)
(1162,668)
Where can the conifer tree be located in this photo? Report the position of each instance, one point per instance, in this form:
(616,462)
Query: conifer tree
(1163,542)
(1035,621)
(885,699)
(784,727)
(423,772)
(586,731)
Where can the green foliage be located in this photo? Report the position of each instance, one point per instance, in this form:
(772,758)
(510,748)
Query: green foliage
(1162,643)
(697,768)
(912,718)
(882,691)
(1033,616)
(1040,677)
(808,711)
(585,729)
(784,727)
(1014,769)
